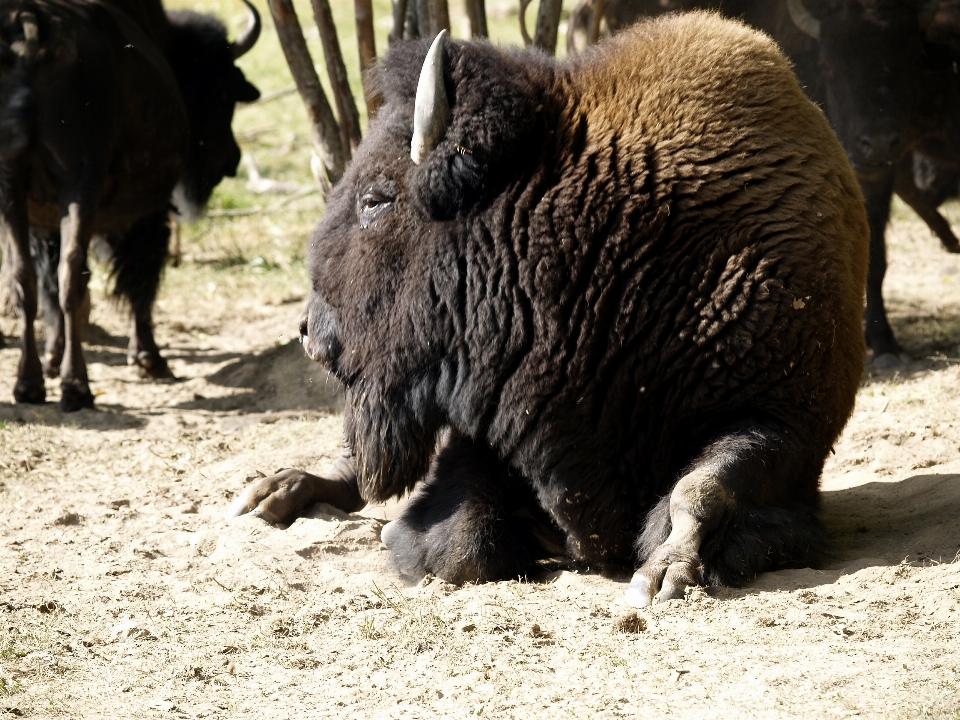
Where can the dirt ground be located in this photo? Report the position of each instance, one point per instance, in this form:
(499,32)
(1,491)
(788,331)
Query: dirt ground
(124,592)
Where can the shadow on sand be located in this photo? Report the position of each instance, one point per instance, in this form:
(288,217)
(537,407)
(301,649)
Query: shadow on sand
(879,524)
(277,380)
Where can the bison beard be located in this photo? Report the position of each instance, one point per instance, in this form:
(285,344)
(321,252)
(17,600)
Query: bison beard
(609,308)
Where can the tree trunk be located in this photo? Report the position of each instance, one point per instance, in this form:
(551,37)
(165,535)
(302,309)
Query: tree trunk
(596,15)
(548,20)
(477,15)
(368,52)
(441,17)
(339,83)
(326,130)
(399,21)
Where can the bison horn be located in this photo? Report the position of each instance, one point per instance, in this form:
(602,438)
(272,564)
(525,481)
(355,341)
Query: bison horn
(803,19)
(431,113)
(928,12)
(27,48)
(250,34)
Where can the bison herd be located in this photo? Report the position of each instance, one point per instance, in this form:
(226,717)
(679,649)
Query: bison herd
(609,309)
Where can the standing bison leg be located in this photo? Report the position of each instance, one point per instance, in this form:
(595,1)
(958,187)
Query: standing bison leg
(138,261)
(745,507)
(45,247)
(877,193)
(14,233)
(74,241)
(282,497)
(473,520)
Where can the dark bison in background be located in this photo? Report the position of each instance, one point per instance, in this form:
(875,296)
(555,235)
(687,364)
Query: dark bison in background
(863,61)
(609,308)
(106,107)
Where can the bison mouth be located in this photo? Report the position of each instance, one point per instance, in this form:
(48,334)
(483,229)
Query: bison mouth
(319,337)
(871,171)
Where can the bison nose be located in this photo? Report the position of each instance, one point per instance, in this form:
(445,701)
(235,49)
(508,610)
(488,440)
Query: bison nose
(878,148)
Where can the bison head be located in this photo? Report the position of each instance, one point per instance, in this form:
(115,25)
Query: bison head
(869,52)
(391,262)
(211,85)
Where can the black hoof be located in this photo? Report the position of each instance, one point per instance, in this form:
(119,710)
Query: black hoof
(51,367)
(152,367)
(891,361)
(74,398)
(31,393)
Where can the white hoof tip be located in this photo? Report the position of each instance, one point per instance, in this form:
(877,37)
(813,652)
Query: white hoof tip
(387,532)
(639,594)
(237,508)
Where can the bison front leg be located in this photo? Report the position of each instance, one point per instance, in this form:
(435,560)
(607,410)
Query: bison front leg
(16,251)
(748,505)
(282,497)
(473,520)
(74,240)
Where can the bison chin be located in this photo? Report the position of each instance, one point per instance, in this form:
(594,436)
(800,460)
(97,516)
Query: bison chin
(392,433)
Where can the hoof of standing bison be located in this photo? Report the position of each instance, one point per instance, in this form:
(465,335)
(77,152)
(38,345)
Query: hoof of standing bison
(152,366)
(75,396)
(30,393)
(891,361)
(51,367)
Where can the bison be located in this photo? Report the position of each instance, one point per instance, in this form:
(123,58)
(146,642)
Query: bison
(609,307)
(108,109)
(862,60)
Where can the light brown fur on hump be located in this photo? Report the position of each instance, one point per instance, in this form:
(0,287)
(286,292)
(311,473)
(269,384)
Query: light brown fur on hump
(678,73)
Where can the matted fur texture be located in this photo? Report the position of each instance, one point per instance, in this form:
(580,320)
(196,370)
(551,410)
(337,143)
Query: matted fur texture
(614,272)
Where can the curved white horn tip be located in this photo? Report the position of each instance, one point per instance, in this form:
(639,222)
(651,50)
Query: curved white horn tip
(431,110)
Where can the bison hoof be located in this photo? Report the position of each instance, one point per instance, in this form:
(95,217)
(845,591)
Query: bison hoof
(278,498)
(665,576)
(51,367)
(152,366)
(30,392)
(75,396)
(891,361)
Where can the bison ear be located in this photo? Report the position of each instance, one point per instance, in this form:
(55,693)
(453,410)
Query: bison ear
(489,136)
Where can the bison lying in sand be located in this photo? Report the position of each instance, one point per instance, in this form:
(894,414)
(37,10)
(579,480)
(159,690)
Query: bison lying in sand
(610,308)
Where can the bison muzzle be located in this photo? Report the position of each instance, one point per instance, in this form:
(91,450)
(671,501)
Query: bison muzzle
(609,308)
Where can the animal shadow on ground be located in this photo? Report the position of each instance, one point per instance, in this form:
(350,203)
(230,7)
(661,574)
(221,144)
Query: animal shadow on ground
(103,417)
(927,336)
(916,520)
(277,380)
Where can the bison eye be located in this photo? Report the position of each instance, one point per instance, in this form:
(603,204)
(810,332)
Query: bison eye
(372,205)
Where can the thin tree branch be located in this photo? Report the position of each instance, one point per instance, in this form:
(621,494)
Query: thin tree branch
(339,83)
(326,130)
(596,15)
(399,21)
(548,20)
(363,12)
(477,15)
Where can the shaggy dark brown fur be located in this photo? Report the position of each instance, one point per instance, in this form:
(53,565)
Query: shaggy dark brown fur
(641,267)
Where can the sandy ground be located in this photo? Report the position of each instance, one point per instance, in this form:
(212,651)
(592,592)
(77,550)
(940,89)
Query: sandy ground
(124,592)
